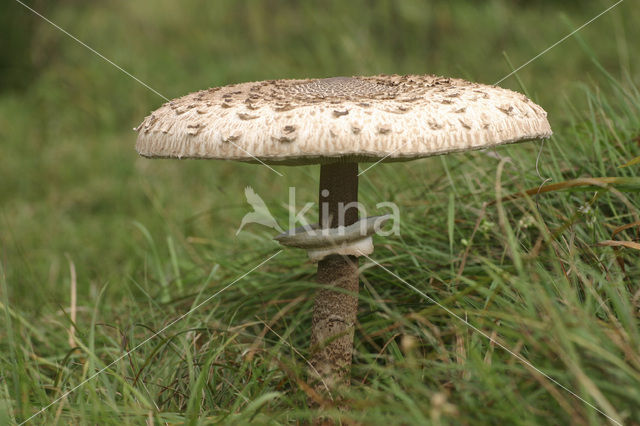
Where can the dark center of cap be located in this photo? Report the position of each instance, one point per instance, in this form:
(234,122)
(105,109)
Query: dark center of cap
(341,87)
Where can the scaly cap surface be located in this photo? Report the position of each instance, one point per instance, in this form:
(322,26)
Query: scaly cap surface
(340,119)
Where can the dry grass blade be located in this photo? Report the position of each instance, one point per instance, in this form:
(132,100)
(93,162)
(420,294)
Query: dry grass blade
(630,183)
(624,227)
(613,243)
(73,302)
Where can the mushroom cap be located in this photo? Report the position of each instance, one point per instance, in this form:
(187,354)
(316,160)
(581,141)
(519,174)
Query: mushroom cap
(340,119)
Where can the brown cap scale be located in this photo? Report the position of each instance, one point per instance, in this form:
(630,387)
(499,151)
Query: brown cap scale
(339,122)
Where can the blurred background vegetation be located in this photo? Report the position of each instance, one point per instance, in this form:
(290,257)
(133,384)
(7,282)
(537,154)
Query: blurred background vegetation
(72,188)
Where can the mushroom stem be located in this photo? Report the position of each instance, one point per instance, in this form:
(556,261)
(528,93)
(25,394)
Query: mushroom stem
(336,305)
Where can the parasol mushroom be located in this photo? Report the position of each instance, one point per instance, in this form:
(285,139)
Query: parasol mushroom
(337,123)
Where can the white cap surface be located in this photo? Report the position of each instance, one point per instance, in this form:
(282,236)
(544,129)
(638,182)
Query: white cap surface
(340,119)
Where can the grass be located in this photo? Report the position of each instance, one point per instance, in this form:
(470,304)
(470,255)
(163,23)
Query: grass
(150,240)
